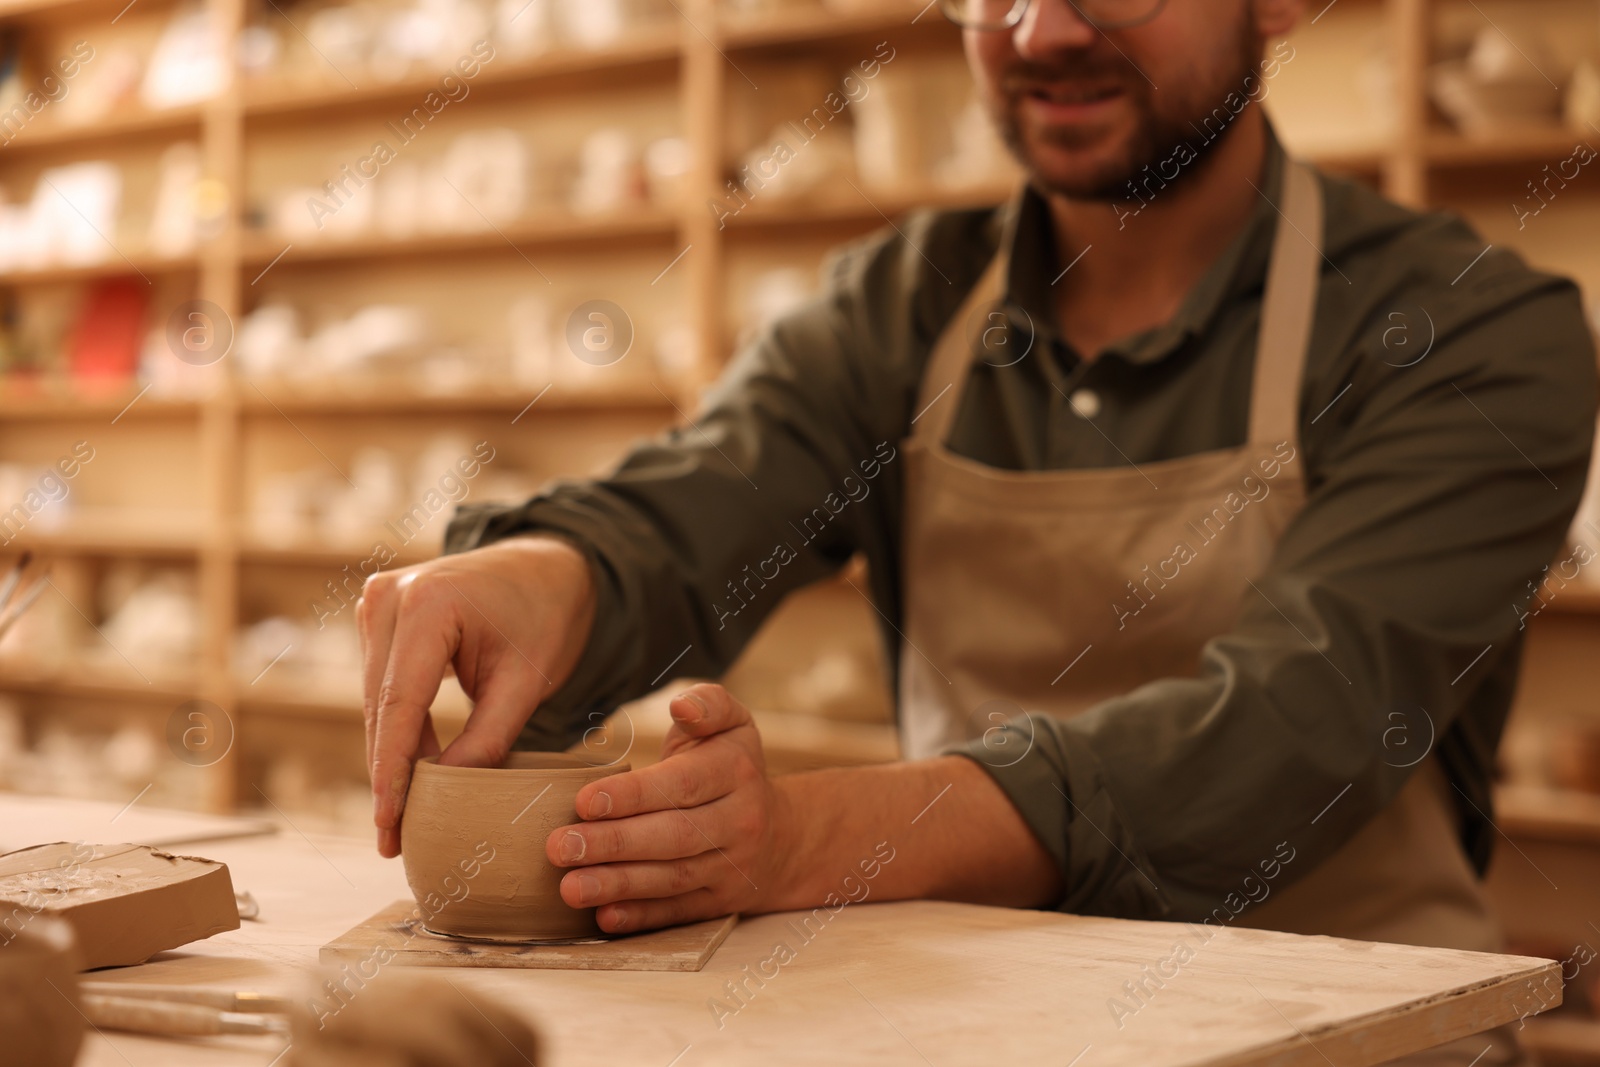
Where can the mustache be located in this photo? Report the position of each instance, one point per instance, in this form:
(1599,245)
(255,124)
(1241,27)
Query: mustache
(1024,76)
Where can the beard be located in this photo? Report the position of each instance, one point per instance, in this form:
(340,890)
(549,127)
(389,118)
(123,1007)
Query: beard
(1102,163)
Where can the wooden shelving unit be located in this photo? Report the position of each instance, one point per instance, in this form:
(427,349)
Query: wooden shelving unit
(702,59)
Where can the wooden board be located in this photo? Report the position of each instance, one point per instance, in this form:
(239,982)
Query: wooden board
(398,930)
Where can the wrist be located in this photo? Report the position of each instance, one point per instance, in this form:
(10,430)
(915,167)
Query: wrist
(786,884)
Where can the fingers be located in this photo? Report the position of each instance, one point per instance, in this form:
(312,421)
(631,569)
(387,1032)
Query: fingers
(707,708)
(660,835)
(375,613)
(507,696)
(638,915)
(591,887)
(689,779)
(427,629)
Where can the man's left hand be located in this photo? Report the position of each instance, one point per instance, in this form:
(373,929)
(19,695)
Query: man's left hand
(692,837)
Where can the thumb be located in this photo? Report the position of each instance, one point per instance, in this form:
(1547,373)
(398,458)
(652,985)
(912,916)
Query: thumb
(706,709)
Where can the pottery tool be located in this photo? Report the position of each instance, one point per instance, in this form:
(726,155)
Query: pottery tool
(227,1000)
(171,1019)
(397,933)
(10,613)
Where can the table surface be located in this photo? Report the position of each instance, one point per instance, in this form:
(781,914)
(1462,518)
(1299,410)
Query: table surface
(917,983)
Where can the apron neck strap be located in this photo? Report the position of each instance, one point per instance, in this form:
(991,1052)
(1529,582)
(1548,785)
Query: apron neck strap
(1288,305)
(1287,308)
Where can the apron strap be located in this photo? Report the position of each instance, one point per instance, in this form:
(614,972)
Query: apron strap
(1287,308)
(945,380)
(1288,305)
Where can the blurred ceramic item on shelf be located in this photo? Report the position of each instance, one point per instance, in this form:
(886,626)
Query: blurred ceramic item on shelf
(787,165)
(268,341)
(522,28)
(591,23)
(159,622)
(107,336)
(436,467)
(486,174)
(532,341)
(190,62)
(73,216)
(342,36)
(903,123)
(1581,110)
(449,371)
(374,332)
(978,158)
(1499,86)
(666,167)
(260,49)
(610,176)
(773,294)
(433,34)
(289,214)
(131,755)
(173,226)
(100,87)
(675,352)
(280,510)
(351,514)
(398,206)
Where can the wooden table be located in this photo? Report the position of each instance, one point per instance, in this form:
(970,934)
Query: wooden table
(919,983)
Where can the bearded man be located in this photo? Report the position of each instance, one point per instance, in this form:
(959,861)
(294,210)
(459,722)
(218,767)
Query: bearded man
(1201,493)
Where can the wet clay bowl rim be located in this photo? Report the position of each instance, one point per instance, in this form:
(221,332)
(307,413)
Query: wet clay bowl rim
(513,791)
(542,764)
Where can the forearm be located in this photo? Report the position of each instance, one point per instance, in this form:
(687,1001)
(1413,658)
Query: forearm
(937,829)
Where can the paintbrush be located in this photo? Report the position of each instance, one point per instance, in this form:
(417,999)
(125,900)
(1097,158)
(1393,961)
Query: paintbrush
(168,1019)
(228,1000)
(9,586)
(9,612)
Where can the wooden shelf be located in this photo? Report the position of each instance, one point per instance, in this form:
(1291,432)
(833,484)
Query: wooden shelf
(861,205)
(94,685)
(66,401)
(1578,598)
(644,224)
(646,57)
(291,699)
(129,124)
(257,552)
(813,24)
(1552,144)
(1548,814)
(114,267)
(387,401)
(110,534)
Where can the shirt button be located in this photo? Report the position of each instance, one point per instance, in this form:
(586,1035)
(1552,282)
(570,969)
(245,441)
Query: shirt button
(1085,402)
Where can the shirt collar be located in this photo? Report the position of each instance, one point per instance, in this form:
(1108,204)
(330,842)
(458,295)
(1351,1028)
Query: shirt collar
(1032,263)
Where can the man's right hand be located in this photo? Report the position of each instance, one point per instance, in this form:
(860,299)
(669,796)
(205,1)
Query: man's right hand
(511,618)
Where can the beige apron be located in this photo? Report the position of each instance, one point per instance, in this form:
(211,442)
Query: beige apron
(1049,591)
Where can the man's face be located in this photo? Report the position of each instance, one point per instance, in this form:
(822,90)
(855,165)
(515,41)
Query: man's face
(1081,108)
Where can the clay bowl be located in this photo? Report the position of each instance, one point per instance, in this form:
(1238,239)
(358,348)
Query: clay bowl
(472,839)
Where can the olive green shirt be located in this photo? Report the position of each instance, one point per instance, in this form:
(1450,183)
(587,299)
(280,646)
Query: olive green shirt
(1446,418)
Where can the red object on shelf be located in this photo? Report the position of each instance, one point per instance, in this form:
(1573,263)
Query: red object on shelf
(109,332)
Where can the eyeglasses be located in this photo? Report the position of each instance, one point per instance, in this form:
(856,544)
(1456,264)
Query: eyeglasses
(1004,14)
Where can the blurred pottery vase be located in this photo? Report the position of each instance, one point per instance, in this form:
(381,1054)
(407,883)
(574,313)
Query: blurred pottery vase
(473,839)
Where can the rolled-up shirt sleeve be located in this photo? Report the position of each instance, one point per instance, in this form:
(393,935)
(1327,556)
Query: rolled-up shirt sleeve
(1437,495)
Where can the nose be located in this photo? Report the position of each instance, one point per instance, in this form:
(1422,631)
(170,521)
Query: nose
(1050,27)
